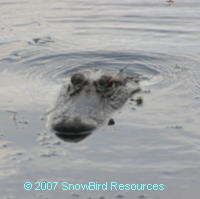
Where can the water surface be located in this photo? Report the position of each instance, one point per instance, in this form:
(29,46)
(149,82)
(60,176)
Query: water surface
(42,43)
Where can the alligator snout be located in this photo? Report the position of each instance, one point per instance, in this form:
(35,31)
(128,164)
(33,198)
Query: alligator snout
(75,126)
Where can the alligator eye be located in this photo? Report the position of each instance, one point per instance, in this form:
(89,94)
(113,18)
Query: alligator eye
(105,81)
(77,79)
(104,84)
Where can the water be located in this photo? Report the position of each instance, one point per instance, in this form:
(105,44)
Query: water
(43,42)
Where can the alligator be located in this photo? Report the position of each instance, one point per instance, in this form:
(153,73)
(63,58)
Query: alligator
(88,100)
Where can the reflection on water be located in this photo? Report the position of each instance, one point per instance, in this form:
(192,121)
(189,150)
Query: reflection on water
(72,137)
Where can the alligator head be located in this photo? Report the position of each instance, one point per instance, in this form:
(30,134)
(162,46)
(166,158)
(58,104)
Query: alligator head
(85,102)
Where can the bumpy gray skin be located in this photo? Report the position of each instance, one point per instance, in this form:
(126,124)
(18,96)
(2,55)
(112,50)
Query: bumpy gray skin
(89,99)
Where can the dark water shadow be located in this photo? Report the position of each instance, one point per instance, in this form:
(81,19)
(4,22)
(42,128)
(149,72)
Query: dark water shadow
(71,137)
